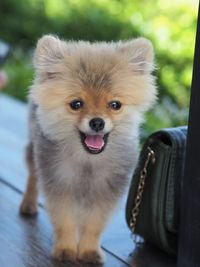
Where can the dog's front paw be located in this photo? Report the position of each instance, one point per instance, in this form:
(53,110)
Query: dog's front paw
(28,208)
(64,255)
(92,257)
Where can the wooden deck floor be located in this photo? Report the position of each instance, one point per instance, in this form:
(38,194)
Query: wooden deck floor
(27,242)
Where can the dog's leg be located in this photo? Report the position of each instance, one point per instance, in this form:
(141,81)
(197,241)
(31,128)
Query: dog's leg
(89,250)
(65,236)
(29,202)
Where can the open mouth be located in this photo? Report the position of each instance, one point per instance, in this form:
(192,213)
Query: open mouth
(94,144)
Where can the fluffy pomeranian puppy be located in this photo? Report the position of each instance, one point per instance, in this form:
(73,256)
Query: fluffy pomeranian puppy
(86,105)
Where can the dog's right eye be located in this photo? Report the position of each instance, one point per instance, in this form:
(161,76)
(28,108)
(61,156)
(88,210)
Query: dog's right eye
(76,104)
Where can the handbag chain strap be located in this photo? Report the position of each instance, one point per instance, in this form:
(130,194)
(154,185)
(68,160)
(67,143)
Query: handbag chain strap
(140,189)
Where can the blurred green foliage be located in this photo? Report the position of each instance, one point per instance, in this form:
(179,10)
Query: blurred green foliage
(170,25)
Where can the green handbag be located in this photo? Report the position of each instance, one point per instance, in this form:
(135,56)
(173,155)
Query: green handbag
(153,203)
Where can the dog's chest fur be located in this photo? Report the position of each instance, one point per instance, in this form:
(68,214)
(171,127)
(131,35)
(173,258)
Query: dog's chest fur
(85,181)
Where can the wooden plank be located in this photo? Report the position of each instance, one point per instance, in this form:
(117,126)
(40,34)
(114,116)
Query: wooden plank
(12,164)
(26,242)
(13,139)
(13,116)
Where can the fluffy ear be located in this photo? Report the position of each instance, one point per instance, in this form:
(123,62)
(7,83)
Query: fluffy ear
(49,56)
(139,52)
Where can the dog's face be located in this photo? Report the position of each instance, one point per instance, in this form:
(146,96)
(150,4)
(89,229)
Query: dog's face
(91,94)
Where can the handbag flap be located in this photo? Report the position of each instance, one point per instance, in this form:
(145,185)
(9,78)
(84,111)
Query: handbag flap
(176,139)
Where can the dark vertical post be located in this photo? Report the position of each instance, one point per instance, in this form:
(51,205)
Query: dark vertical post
(189,235)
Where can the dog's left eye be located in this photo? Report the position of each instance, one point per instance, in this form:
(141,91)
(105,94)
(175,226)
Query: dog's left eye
(116,105)
(76,104)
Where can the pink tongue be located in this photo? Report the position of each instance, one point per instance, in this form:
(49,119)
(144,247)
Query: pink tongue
(94,141)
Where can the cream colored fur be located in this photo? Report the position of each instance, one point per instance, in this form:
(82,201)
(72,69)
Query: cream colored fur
(82,189)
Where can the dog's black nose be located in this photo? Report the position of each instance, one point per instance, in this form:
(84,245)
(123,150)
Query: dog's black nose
(97,124)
